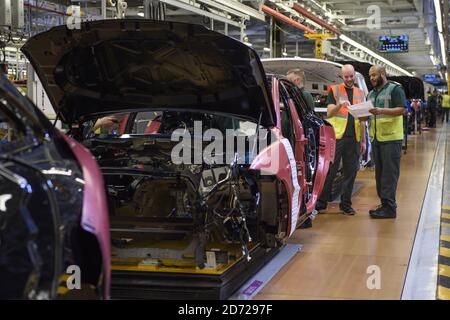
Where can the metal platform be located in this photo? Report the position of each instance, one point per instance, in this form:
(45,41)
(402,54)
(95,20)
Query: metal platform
(251,288)
(170,285)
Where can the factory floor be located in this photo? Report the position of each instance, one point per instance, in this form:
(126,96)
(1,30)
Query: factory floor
(356,257)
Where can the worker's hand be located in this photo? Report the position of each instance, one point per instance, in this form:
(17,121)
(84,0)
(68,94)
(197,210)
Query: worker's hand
(362,147)
(376,111)
(108,121)
(114,119)
(344,103)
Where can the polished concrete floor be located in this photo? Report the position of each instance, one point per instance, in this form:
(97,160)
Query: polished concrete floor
(338,252)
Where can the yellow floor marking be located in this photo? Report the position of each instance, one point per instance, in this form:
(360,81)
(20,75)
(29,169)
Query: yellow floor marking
(443,293)
(444,270)
(444,252)
(62,290)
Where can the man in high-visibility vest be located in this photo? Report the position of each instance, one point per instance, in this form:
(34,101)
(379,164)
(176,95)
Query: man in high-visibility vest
(350,138)
(445,106)
(386,134)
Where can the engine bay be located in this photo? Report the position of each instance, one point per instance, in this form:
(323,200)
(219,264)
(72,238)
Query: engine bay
(201,216)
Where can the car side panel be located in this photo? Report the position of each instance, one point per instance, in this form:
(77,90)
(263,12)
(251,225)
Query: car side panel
(95,218)
(327,149)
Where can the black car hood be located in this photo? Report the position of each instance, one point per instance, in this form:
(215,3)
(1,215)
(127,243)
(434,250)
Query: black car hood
(130,65)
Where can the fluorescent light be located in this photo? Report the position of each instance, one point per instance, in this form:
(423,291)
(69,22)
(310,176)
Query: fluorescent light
(266,49)
(437,8)
(443,53)
(433,60)
(373,54)
(140,14)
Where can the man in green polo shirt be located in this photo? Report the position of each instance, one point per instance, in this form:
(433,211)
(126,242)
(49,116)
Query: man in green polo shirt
(386,132)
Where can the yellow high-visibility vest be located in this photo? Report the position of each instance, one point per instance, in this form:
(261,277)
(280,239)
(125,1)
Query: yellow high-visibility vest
(386,128)
(339,121)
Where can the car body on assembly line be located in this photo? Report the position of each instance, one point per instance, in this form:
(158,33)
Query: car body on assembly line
(209,159)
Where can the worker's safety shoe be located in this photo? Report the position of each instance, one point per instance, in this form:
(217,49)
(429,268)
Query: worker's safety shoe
(376,209)
(384,213)
(347,210)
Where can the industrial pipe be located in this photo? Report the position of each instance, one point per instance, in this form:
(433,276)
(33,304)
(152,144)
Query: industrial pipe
(312,17)
(286,19)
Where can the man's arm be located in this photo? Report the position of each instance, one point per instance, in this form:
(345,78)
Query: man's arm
(332,110)
(397,111)
(398,100)
(362,145)
(362,127)
(332,106)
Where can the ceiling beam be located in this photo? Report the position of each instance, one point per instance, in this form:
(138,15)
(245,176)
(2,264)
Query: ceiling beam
(394,26)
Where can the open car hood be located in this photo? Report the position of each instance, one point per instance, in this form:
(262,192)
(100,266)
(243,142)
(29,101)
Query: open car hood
(130,65)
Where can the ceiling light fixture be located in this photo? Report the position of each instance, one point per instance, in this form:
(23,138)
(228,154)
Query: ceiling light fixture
(373,54)
(433,60)
(437,8)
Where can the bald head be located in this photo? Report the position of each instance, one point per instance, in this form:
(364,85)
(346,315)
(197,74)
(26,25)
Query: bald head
(347,68)
(348,75)
(377,75)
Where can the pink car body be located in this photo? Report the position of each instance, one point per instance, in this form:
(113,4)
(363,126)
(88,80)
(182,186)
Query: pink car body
(291,167)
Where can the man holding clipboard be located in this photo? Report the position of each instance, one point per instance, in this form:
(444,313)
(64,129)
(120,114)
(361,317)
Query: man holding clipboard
(350,138)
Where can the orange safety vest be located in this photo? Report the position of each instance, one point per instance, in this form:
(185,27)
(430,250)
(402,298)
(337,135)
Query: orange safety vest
(339,121)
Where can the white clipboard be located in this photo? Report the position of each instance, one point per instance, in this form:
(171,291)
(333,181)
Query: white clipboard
(361,109)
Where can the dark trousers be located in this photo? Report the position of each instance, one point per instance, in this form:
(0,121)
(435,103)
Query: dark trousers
(387,171)
(445,112)
(432,118)
(347,149)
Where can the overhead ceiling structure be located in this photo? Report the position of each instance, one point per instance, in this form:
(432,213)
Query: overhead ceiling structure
(354,25)
(367,20)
